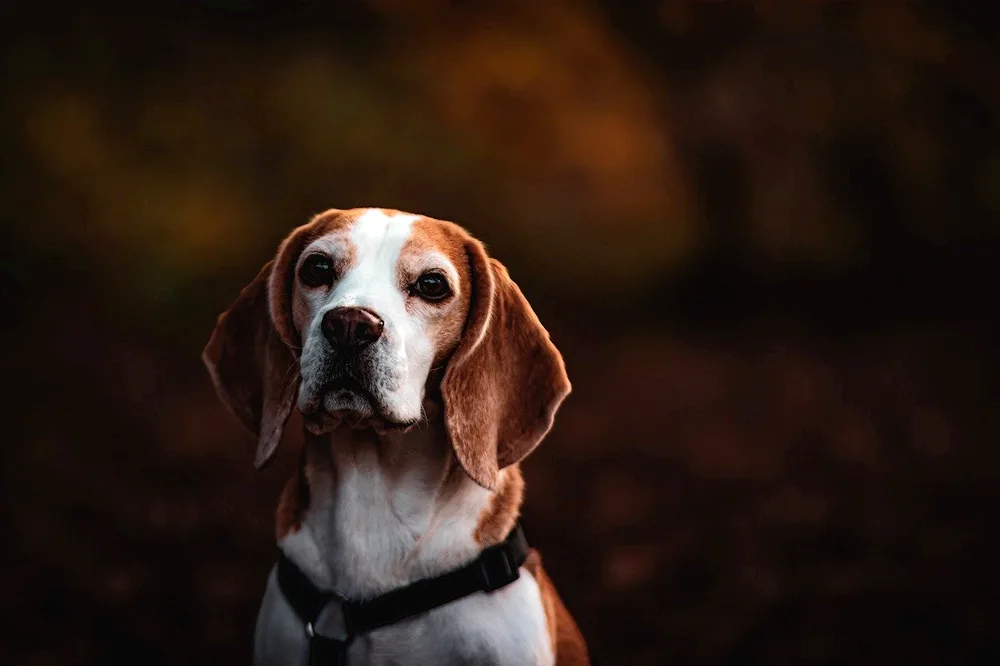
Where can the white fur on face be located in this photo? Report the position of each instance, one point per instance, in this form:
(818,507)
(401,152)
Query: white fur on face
(373,273)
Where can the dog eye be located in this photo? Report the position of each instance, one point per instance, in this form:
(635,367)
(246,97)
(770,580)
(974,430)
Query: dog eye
(316,270)
(431,286)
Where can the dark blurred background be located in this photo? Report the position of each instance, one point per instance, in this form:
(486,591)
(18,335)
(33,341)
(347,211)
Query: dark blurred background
(765,237)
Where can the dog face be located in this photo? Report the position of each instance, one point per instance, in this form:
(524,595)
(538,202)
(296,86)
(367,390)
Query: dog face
(366,314)
(376,303)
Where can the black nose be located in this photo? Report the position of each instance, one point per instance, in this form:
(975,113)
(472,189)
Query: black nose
(348,328)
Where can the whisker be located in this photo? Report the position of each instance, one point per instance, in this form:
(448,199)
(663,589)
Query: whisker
(294,366)
(296,376)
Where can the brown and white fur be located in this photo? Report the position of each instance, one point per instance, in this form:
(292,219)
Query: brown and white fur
(412,442)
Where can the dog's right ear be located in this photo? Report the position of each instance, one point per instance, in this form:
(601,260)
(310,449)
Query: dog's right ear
(254,350)
(252,368)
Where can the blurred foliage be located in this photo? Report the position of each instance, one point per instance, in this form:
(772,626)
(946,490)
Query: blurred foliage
(763,234)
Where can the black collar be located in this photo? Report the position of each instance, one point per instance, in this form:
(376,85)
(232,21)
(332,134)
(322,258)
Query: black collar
(495,567)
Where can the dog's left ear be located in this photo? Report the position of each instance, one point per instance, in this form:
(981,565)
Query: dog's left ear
(506,379)
(252,367)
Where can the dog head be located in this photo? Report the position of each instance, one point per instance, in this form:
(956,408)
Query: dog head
(364,315)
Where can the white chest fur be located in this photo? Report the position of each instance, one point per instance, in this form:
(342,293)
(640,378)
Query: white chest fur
(371,528)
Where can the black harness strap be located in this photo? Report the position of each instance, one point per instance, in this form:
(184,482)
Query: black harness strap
(495,567)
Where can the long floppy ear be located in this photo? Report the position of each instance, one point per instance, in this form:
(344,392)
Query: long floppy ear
(505,380)
(252,367)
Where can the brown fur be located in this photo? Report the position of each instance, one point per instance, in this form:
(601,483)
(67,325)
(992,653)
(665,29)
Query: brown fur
(568,644)
(293,502)
(499,516)
(449,240)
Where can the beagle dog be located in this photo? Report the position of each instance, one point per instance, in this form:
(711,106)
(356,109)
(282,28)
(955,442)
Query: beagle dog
(423,377)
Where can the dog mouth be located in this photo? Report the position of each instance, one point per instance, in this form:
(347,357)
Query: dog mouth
(346,386)
(346,401)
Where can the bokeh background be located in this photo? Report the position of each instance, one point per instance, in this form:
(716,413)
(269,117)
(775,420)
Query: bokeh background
(765,237)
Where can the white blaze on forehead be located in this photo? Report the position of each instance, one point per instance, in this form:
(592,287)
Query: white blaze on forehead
(377,240)
(373,230)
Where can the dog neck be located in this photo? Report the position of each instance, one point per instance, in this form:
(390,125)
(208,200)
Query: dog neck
(371,511)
